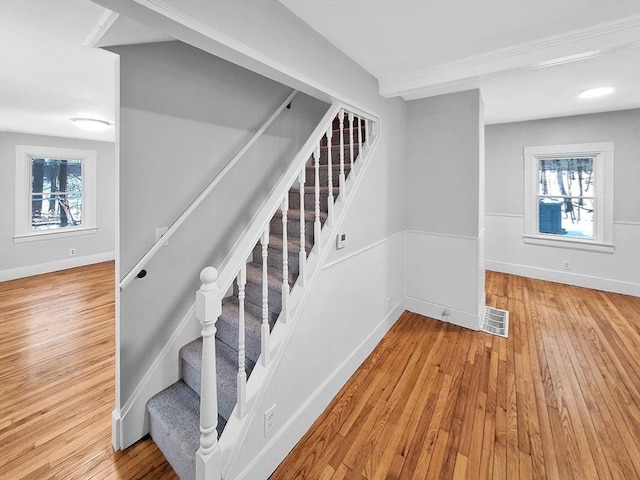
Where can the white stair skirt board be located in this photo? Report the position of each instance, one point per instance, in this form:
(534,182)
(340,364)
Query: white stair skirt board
(495,322)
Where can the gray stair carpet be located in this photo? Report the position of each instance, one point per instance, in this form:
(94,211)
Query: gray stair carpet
(174,413)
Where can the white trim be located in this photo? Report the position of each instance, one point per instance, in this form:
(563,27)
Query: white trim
(509,215)
(40,235)
(55,266)
(445,235)
(132,423)
(101,28)
(576,279)
(568,242)
(434,310)
(350,255)
(553,50)
(285,439)
(630,224)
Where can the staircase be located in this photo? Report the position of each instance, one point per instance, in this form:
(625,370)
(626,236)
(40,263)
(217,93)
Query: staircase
(257,298)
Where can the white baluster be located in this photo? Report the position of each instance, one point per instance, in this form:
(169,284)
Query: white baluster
(359,138)
(242,374)
(367,134)
(351,143)
(285,261)
(317,226)
(342,176)
(329,134)
(208,309)
(265,298)
(303,252)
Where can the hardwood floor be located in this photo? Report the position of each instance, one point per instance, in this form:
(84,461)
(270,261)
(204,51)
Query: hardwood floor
(558,399)
(57,381)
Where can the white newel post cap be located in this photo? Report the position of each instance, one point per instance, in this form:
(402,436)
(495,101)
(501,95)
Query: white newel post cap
(208,297)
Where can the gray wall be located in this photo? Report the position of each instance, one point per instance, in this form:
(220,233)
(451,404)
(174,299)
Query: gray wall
(444,191)
(184,113)
(505,249)
(30,258)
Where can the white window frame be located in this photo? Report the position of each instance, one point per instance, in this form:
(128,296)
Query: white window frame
(24,155)
(602,154)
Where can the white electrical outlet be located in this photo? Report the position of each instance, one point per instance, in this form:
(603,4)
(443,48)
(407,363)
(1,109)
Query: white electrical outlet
(72,252)
(269,420)
(566,265)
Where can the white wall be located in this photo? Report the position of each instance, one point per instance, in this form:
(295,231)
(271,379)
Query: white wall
(444,191)
(48,255)
(184,113)
(505,250)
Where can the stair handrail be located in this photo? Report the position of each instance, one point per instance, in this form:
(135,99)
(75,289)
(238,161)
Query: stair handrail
(137,268)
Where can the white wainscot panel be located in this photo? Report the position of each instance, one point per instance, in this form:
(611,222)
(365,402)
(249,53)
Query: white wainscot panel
(617,272)
(442,273)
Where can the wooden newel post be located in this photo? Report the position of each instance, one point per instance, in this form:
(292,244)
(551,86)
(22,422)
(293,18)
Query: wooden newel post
(208,309)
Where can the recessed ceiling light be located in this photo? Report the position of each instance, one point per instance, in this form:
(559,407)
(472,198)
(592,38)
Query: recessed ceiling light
(596,92)
(91,124)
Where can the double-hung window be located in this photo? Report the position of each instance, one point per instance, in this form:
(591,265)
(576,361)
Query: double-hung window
(55,192)
(569,196)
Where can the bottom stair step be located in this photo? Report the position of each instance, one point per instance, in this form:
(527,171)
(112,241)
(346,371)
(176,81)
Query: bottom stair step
(174,425)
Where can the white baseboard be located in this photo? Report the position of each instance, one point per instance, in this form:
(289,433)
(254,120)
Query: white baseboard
(433,310)
(132,423)
(577,279)
(283,441)
(72,262)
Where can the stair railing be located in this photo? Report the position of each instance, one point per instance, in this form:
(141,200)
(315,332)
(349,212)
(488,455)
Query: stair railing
(138,268)
(233,268)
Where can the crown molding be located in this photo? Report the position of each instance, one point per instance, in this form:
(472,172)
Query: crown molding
(575,45)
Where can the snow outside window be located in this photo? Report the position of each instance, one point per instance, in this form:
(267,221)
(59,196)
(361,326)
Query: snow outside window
(569,196)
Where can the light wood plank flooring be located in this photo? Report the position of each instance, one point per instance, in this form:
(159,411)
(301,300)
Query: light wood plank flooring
(559,399)
(57,381)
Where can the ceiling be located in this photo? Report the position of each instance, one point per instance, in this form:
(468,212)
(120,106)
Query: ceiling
(529,58)
(47,76)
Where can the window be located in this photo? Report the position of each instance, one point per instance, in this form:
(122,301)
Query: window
(569,196)
(55,192)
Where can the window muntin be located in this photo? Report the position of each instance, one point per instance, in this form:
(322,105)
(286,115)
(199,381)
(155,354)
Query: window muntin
(56,193)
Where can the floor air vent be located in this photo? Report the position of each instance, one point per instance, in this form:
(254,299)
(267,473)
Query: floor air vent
(495,321)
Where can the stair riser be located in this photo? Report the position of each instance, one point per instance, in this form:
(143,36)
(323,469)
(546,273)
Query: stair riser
(253,292)
(274,260)
(228,333)
(293,228)
(335,155)
(324,175)
(310,200)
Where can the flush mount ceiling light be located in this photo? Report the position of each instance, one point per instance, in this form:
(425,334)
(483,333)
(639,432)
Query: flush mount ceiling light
(596,92)
(91,124)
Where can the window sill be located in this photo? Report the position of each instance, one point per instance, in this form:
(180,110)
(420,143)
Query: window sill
(571,243)
(51,234)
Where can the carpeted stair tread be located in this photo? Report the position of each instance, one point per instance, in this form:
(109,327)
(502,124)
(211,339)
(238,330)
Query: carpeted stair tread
(174,424)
